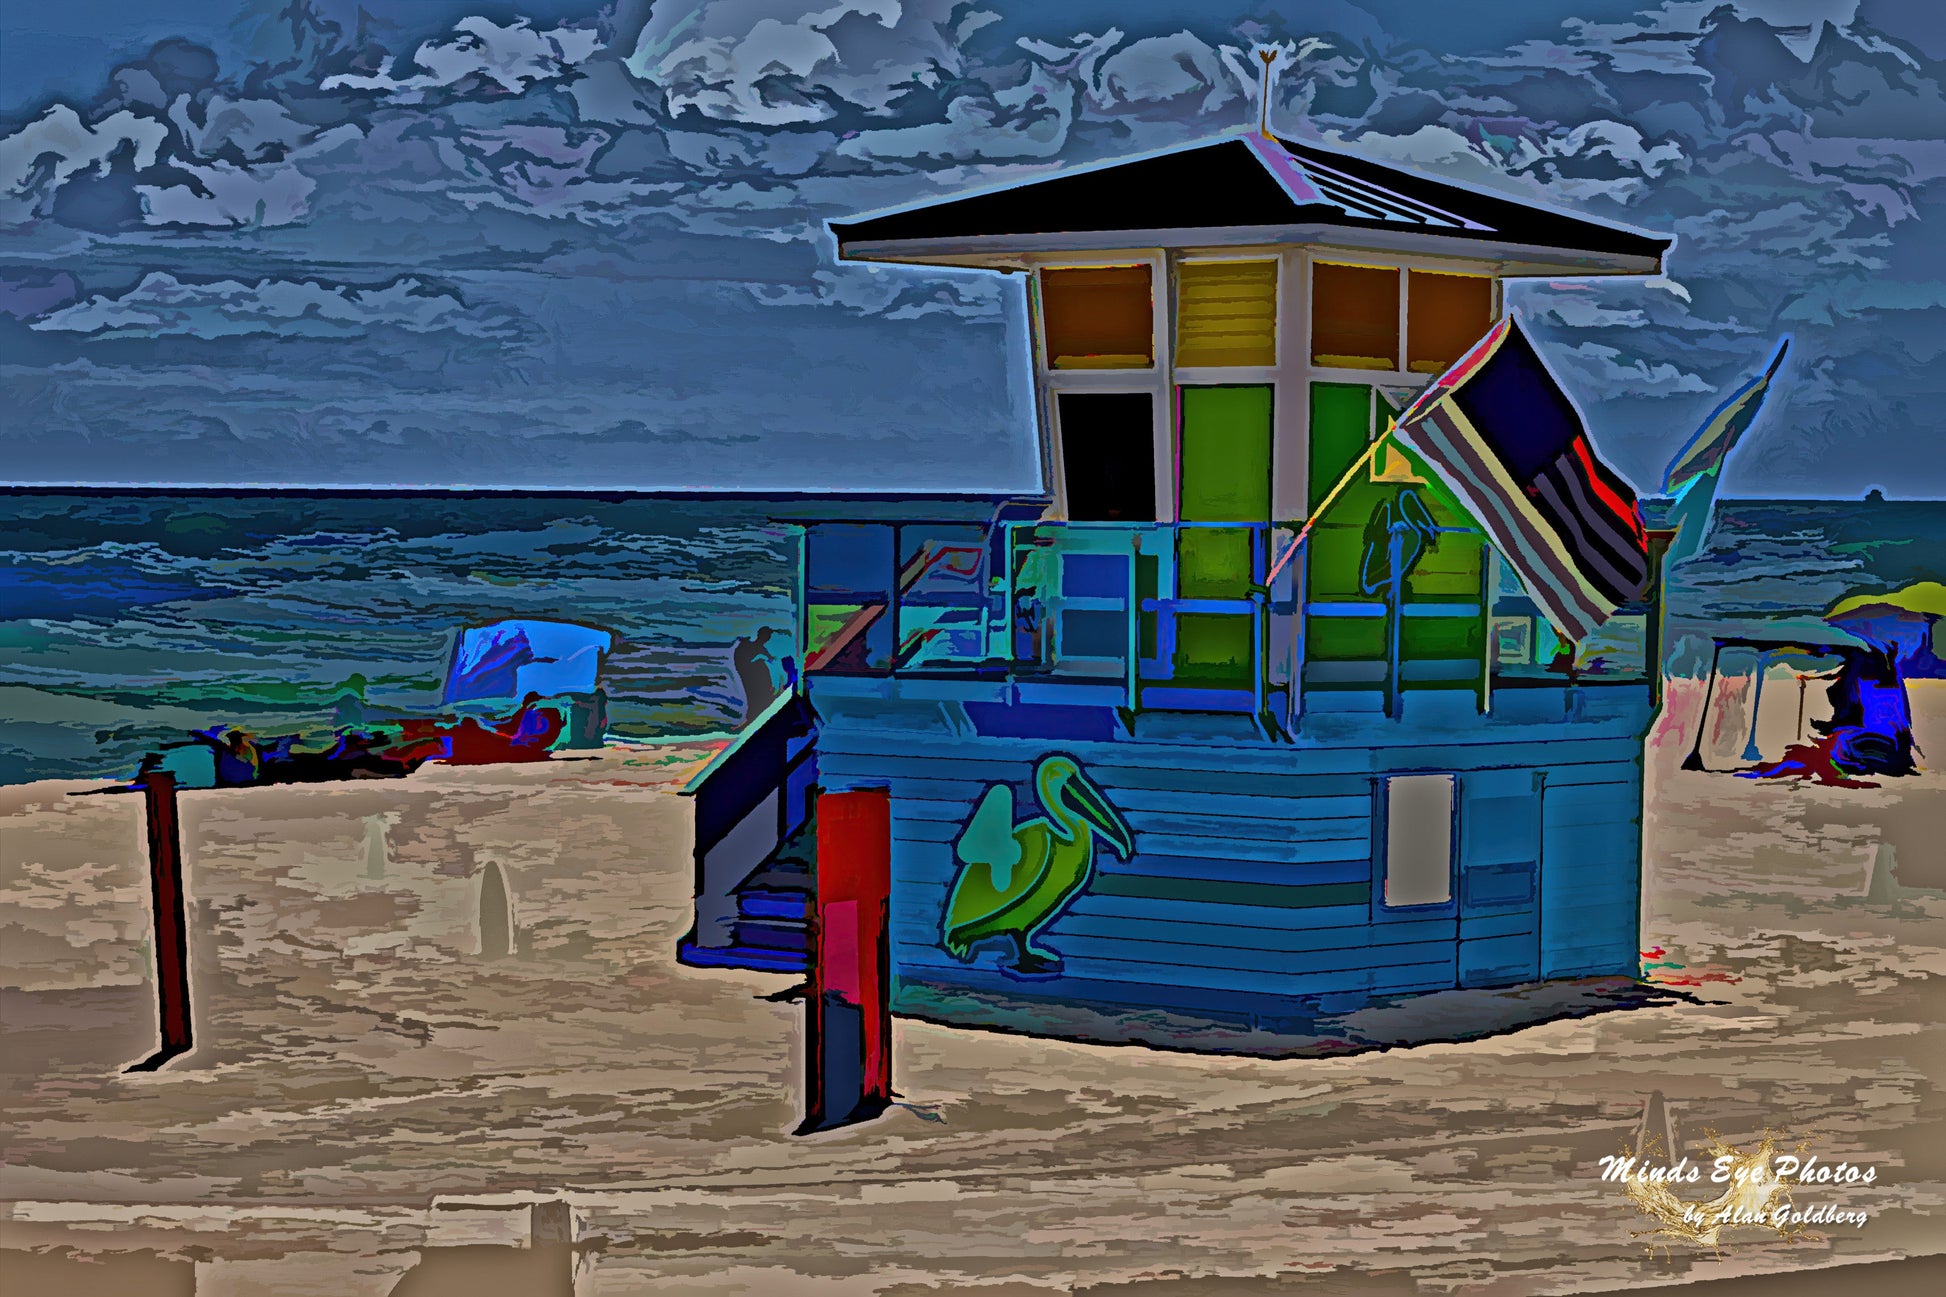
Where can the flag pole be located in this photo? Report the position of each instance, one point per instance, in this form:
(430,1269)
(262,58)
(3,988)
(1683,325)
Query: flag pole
(1325,503)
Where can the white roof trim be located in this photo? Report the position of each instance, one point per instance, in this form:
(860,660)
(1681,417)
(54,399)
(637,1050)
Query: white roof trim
(1012,251)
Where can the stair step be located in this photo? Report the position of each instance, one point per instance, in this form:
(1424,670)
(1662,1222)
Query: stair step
(756,959)
(781,876)
(767,903)
(772,934)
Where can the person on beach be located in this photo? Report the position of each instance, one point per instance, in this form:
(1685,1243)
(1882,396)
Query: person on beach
(534,726)
(761,671)
(348,709)
(1869,733)
(237,760)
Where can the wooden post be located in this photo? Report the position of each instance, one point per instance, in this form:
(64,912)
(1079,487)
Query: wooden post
(1394,615)
(1751,752)
(171,930)
(848,1012)
(1694,761)
(1133,684)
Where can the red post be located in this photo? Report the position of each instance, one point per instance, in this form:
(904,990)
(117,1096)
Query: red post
(848,1014)
(171,932)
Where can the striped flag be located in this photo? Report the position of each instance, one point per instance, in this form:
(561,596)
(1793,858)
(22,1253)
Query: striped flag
(1697,469)
(1505,437)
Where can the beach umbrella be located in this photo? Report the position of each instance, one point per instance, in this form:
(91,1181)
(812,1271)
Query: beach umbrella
(1902,620)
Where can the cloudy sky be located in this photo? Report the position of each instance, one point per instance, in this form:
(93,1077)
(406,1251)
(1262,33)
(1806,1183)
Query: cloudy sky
(546,243)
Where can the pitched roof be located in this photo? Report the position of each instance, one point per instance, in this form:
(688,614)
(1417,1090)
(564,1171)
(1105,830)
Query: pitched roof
(1243,183)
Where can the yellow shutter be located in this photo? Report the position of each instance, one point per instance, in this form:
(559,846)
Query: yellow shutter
(1226,313)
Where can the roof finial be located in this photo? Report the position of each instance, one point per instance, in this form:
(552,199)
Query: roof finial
(1268,53)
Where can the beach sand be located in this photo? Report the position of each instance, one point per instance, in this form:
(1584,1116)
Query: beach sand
(374,1106)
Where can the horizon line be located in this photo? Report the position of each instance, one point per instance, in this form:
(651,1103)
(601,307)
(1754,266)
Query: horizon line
(700,493)
(519,492)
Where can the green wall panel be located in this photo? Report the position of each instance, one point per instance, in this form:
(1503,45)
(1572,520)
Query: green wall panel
(1346,639)
(1226,454)
(1225,457)
(1449,572)
(1340,431)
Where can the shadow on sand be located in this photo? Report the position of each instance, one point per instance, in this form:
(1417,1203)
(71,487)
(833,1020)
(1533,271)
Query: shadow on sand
(1280,1027)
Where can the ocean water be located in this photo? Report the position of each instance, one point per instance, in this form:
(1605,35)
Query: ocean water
(126,620)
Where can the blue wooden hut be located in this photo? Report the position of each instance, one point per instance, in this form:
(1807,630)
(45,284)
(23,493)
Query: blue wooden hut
(1144,749)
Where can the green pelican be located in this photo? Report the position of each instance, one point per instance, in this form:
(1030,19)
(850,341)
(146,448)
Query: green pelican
(1015,878)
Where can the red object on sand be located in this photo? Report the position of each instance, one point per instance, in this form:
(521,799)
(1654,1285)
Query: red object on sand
(848,1014)
(527,735)
(476,745)
(171,928)
(1811,762)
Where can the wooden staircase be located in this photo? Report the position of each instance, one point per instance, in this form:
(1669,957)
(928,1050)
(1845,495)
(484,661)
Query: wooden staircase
(772,929)
(755,847)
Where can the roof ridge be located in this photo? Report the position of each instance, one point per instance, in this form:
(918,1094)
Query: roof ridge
(1470,188)
(1017,182)
(1206,184)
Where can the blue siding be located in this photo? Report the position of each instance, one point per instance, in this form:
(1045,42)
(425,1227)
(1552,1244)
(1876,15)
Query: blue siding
(1253,919)
(1499,881)
(1497,961)
(1591,890)
(1507,923)
(1253,868)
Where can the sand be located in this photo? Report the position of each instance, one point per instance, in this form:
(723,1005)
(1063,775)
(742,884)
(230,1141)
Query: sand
(375,1106)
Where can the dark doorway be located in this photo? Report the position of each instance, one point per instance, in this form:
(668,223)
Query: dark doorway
(1108,455)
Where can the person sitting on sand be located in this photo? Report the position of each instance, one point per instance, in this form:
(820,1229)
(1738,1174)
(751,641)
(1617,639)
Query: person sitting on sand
(237,760)
(532,725)
(1869,733)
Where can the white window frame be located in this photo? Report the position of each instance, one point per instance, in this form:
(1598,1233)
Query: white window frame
(1303,372)
(1051,382)
(1291,377)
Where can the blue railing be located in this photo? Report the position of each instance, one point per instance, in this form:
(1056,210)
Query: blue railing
(1185,616)
(1162,615)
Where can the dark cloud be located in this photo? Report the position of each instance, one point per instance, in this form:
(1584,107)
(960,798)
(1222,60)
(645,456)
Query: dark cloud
(35,293)
(473,240)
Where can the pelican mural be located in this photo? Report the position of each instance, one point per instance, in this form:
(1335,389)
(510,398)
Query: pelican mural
(1014,879)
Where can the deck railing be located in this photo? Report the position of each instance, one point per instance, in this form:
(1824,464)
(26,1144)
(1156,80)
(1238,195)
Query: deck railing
(1183,616)
(1179,616)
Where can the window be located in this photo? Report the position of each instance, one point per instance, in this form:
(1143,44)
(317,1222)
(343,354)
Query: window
(1098,317)
(848,576)
(1446,314)
(1108,455)
(1354,317)
(1418,840)
(1226,313)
